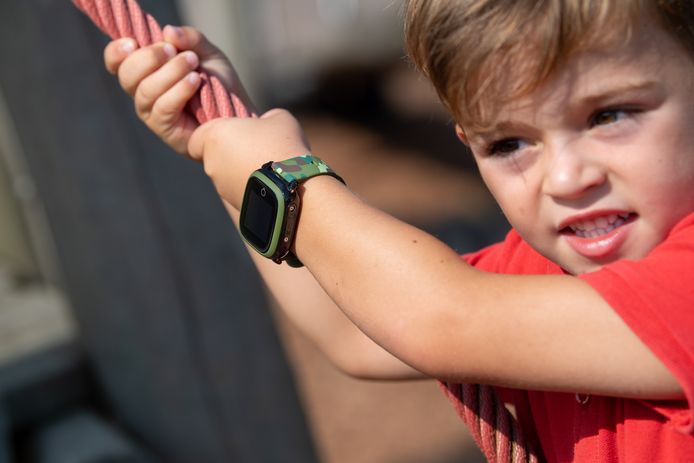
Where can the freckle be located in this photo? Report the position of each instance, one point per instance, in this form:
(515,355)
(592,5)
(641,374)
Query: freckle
(414,241)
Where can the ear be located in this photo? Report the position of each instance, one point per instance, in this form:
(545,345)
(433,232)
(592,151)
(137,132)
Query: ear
(461,135)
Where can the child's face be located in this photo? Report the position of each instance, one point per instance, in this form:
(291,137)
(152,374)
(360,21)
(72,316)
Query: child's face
(598,163)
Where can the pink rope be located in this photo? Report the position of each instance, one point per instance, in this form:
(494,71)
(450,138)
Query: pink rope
(125,18)
(494,430)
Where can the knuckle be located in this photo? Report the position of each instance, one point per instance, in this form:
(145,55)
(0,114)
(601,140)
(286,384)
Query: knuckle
(143,99)
(180,66)
(162,111)
(127,84)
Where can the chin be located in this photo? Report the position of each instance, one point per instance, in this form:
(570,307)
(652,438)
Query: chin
(581,266)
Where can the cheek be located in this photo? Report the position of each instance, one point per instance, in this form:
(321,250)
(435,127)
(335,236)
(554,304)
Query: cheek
(516,192)
(511,192)
(516,203)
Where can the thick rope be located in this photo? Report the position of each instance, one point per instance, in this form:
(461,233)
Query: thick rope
(125,18)
(495,431)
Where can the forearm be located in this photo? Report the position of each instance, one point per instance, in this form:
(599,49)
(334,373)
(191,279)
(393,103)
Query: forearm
(391,279)
(313,312)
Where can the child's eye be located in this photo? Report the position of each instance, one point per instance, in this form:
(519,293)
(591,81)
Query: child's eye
(608,116)
(506,147)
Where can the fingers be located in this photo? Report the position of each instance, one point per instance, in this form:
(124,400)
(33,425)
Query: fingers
(159,79)
(116,51)
(176,74)
(143,62)
(169,106)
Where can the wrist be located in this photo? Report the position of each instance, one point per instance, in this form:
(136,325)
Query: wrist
(272,202)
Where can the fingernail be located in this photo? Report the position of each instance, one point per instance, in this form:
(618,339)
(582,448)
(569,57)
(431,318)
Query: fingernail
(127,46)
(170,50)
(175,29)
(194,78)
(192,58)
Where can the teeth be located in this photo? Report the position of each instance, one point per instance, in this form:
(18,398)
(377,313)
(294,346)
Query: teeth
(599,226)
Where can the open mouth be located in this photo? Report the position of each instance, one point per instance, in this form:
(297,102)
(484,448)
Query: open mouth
(599,236)
(598,226)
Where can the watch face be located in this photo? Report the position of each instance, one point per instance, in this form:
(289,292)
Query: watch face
(260,207)
(261,214)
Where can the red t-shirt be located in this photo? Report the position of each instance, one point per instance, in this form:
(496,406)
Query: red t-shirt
(655,297)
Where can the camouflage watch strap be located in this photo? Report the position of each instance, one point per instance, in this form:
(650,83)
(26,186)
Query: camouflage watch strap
(302,168)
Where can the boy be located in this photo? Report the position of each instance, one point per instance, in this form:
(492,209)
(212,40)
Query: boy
(579,115)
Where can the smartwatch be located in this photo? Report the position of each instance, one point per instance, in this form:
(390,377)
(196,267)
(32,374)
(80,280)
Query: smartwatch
(271,204)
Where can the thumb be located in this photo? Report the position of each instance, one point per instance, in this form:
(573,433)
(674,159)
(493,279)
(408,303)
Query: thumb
(206,135)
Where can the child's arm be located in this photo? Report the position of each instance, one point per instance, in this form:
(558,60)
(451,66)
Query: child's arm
(159,80)
(315,314)
(421,302)
(402,287)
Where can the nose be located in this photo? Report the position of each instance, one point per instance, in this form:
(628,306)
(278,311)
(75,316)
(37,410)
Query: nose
(571,172)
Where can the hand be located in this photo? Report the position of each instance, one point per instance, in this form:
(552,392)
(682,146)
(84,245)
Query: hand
(163,77)
(231,149)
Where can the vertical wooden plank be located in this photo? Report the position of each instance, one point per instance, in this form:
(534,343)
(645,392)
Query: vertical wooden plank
(170,310)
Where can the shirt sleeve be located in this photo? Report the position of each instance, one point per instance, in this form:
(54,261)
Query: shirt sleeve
(655,298)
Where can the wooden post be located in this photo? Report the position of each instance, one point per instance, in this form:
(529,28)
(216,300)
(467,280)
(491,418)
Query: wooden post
(171,312)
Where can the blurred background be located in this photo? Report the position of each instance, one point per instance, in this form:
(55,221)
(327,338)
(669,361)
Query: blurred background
(132,325)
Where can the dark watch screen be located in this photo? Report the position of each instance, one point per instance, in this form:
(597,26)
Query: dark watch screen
(260,211)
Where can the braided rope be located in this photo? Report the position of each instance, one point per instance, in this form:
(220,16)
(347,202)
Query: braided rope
(125,18)
(494,430)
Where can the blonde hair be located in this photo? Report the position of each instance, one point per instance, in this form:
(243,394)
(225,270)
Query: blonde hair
(473,49)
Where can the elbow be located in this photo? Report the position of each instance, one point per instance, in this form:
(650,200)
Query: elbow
(368,361)
(356,365)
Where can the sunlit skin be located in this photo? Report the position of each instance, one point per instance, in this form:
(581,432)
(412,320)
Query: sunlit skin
(386,300)
(597,165)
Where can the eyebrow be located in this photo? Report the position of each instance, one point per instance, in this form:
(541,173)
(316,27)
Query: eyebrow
(494,130)
(612,92)
(591,98)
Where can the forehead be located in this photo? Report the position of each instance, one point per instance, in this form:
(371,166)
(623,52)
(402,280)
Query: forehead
(593,73)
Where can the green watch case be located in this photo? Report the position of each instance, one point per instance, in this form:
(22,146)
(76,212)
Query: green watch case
(270,207)
(269,212)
